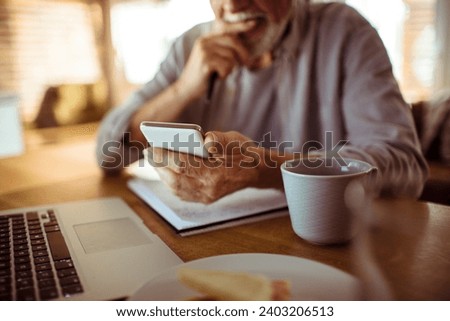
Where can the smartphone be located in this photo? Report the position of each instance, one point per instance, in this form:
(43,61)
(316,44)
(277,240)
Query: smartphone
(181,137)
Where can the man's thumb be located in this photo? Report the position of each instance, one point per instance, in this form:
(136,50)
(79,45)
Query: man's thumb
(224,143)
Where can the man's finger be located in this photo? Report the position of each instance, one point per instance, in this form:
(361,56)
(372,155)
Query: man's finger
(225,143)
(161,157)
(222,27)
(157,157)
(168,177)
(222,66)
(228,42)
(194,166)
(185,187)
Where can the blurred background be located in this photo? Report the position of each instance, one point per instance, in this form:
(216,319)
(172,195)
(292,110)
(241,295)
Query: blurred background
(69,61)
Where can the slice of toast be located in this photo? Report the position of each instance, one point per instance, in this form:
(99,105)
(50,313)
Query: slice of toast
(234,286)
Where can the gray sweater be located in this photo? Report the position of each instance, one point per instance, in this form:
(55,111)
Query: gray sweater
(331,81)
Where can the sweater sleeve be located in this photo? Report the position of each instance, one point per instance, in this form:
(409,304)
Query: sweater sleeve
(378,121)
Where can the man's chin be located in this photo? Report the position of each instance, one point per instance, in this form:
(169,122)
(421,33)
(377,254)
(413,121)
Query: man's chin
(265,40)
(260,45)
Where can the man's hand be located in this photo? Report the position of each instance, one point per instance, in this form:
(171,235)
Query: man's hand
(236,163)
(218,52)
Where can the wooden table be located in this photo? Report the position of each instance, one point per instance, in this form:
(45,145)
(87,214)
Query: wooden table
(411,240)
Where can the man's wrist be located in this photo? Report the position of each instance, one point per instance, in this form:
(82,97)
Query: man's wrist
(184,92)
(269,168)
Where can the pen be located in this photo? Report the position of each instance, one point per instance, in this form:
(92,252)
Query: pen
(212,81)
(209,93)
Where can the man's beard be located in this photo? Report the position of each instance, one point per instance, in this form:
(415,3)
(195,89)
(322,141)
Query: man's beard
(268,41)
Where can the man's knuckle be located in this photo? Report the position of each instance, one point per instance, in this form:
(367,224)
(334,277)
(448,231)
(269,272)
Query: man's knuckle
(202,41)
(180,166)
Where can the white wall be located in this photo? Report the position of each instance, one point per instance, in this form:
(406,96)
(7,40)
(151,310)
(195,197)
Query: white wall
(443,45)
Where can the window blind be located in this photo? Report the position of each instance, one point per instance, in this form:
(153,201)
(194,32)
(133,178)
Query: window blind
(45,43)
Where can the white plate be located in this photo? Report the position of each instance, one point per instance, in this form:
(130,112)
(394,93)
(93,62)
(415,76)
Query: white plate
(310,280)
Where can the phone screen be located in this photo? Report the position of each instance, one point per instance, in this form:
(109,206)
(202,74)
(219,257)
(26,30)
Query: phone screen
(181,137)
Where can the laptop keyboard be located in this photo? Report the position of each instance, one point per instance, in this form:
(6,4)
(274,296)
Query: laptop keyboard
(35,263)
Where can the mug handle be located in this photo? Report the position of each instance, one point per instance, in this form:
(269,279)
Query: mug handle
(370,182)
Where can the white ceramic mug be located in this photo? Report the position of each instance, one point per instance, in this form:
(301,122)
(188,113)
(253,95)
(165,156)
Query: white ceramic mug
(315,191)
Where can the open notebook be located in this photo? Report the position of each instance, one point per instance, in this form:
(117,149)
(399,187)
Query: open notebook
(189,218)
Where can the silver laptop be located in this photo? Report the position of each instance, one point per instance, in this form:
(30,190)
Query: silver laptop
(88,250)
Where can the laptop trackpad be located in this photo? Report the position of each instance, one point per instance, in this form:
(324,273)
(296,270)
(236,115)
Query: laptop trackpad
(110,235)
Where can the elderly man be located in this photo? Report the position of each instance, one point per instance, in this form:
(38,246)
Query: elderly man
(291,75)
